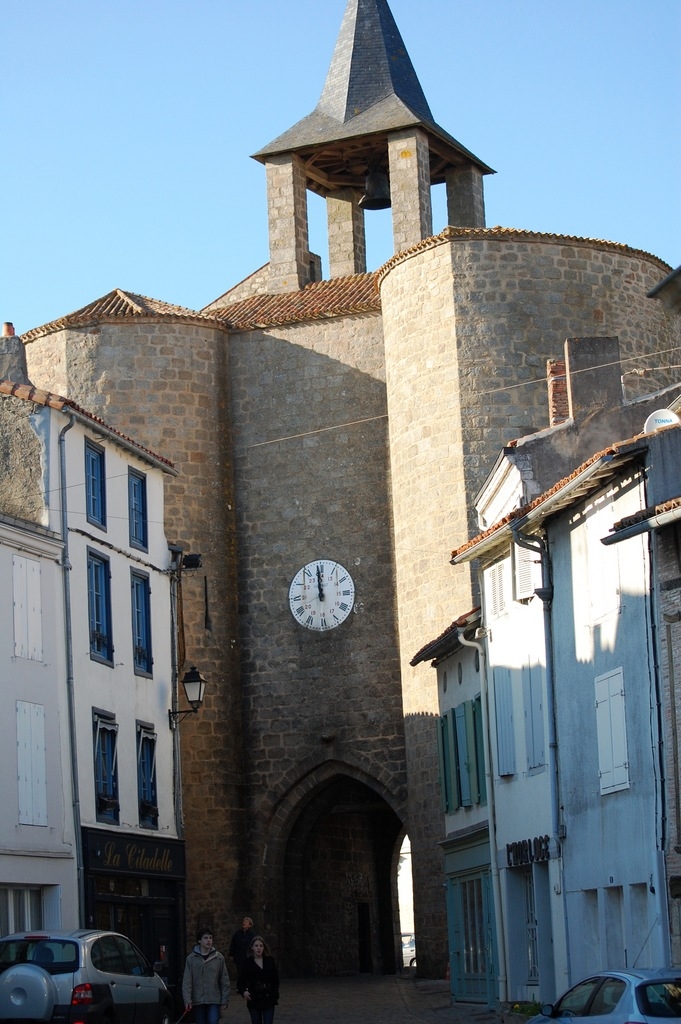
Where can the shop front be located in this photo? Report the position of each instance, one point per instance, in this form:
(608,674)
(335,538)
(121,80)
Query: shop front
(135,885)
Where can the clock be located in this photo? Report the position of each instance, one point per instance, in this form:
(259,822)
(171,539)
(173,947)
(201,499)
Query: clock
(321,595)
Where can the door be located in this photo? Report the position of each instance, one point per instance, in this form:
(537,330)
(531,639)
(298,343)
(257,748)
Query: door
(471,938)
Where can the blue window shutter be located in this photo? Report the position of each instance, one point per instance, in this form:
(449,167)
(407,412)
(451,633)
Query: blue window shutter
(462,756)
(534,715)
(479,750)
(503,701)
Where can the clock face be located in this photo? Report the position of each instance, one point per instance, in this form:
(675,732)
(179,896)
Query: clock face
(321,595)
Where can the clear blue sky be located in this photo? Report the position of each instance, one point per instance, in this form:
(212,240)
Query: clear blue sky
(127,127)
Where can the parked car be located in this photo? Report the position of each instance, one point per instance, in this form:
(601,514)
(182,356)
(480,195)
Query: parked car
(619,997)
(79,977)
(408,950)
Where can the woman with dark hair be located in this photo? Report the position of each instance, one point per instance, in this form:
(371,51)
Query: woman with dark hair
(205,985)
(259,982)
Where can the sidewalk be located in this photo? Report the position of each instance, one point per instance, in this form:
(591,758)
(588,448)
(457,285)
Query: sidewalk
(367,999)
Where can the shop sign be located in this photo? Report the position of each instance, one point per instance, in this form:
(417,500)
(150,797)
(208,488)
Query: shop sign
(126,854)
(527,851)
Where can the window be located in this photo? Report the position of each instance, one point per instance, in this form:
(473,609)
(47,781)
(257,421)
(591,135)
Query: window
(137,509)
(31,764)
(141,623)
(21,909)
(27,604)
(146,776)
(106,767)
(95,485)
(611,727)
(99,607)
(462,763)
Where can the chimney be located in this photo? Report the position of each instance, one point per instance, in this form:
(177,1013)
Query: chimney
(12,356)
(559,407)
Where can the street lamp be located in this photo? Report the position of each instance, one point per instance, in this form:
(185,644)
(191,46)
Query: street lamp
(194,689)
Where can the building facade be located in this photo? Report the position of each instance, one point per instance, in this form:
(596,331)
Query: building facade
(344,425)
(92,662)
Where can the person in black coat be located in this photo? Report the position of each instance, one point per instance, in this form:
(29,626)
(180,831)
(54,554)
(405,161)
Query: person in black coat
(259,982)
(241,941)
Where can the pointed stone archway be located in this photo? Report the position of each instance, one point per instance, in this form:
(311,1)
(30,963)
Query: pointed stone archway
(337,858)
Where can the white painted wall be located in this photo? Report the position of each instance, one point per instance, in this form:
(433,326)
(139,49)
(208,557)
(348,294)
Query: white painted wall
(37,848)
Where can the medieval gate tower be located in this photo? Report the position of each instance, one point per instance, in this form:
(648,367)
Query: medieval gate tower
(343,422)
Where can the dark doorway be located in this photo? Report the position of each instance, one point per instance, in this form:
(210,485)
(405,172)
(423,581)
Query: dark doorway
(340,893)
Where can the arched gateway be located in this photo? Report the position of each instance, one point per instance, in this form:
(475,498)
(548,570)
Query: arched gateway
(332,859)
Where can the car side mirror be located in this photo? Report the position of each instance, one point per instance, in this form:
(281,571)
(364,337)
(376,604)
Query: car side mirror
(547,1009)
(160,967)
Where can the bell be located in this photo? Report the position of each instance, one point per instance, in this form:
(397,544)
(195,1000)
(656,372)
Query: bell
(376,192)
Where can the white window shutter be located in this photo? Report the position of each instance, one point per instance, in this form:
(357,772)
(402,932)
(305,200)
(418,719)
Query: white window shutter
(613,761)
(526,572)
(28,631)
(31,764)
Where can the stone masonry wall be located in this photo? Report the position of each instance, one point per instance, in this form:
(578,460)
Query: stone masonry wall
(311,472)
(469,316)
(162,383)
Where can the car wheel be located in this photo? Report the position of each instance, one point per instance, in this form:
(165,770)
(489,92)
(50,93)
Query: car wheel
(26,992)
(166,1016)
(412,962)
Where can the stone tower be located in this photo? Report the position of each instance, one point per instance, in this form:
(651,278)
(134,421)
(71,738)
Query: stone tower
(372,125)
(345,422)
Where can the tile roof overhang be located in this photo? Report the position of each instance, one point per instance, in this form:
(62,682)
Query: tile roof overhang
(341,296)
(585,480)
(29,393)
(118,306)
(448,641)
(337,156)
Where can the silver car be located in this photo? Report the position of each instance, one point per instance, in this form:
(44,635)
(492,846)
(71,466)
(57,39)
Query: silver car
(79,977)
(619,997)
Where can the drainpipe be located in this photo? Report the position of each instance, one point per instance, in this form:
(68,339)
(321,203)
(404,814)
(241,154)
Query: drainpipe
(545,595)
(175,583)
(70,688)
(496,886)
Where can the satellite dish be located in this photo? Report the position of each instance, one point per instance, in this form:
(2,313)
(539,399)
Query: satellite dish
(660,418)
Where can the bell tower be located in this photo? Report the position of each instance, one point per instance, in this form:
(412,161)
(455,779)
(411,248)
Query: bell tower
(370,143)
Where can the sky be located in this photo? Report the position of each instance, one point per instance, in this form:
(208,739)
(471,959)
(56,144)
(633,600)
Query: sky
(127,128)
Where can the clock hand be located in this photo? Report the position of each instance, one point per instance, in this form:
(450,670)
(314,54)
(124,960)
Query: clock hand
(319,584)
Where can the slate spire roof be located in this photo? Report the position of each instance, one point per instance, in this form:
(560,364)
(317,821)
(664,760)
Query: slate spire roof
(371,88)
(370,63)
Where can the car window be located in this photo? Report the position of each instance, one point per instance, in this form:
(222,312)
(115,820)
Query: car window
(607,997)
(56,956)
(135,962)
(660,998)
(573,1002)
(106,955)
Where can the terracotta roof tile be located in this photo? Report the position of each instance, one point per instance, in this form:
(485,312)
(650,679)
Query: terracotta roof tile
(617,448)
(122,306)
(431,648)
(338,297)
(648,513)
(29,393)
